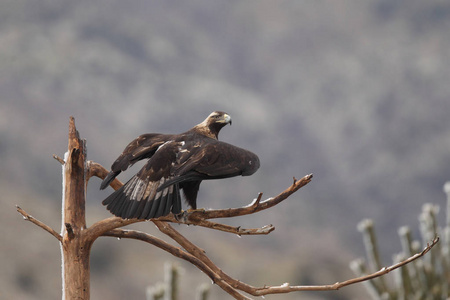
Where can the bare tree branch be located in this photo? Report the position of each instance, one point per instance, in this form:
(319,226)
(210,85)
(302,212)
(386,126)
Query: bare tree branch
(138,235)
(47,228)
(96,169)
(256,206)
(285,288)
(191,217)
(198,217)
(59,159)
(232,229)
(101,227)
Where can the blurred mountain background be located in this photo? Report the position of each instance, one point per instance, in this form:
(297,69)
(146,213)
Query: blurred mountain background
(356,92)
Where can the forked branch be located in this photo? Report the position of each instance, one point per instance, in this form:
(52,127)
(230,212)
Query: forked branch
(197,257)
(200,217)
(256,206)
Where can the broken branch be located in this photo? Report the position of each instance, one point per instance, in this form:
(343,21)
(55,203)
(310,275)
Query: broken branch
(59,159)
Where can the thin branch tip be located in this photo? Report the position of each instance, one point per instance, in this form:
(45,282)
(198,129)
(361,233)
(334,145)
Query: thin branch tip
(27,217)
(24,214)
(59,159)
(308,177)
(429,246)
(259,198)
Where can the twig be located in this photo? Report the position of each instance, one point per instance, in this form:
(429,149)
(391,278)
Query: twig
(219,226)
(338,285)
(359,268)
(367,229)
(59,159)
(236,230)
(44,226)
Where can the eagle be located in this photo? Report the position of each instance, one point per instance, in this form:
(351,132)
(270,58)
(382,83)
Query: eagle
(175,163)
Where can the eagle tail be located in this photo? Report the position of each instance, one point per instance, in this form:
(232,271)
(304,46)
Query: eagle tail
(142,200)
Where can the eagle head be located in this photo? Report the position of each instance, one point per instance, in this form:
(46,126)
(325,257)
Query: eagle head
(213,123)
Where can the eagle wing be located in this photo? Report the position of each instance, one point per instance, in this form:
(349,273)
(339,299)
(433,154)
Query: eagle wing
(211,159)
(144,146)
(142,196)
(155,190)
(208,159)
(215,159)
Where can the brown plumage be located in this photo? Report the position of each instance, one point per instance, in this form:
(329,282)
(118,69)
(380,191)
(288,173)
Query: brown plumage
(175,162)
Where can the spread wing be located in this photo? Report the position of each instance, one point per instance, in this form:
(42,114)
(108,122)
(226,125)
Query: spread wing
(212,159)
(155,190)
(209,159)
(140,148)
(143,196)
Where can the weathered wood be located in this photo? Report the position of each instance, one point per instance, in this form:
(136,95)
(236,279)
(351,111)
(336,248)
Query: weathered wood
(75,244)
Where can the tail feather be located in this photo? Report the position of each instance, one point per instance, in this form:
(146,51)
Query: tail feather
(117,201)
(136,209)
(166,202)
(137,192)
(143,200)
(176,207)
(153,210)
(150,194)
(169,202)
(113,201)
(158,201)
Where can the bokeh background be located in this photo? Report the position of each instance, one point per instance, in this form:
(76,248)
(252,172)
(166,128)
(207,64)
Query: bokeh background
(356,92)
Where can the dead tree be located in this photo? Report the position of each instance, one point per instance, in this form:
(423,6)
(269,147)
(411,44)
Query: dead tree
(76,238)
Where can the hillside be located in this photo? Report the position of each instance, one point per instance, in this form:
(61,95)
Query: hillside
(356,93)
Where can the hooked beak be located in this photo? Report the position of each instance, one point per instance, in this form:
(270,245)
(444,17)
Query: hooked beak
(227,119)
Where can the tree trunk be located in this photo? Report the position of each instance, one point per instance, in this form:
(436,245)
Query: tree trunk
(75,248)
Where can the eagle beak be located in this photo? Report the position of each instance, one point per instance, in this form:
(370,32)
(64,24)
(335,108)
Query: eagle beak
(227,119)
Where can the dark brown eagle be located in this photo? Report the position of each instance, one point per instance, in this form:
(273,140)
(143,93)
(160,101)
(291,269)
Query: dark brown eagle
(175,162)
